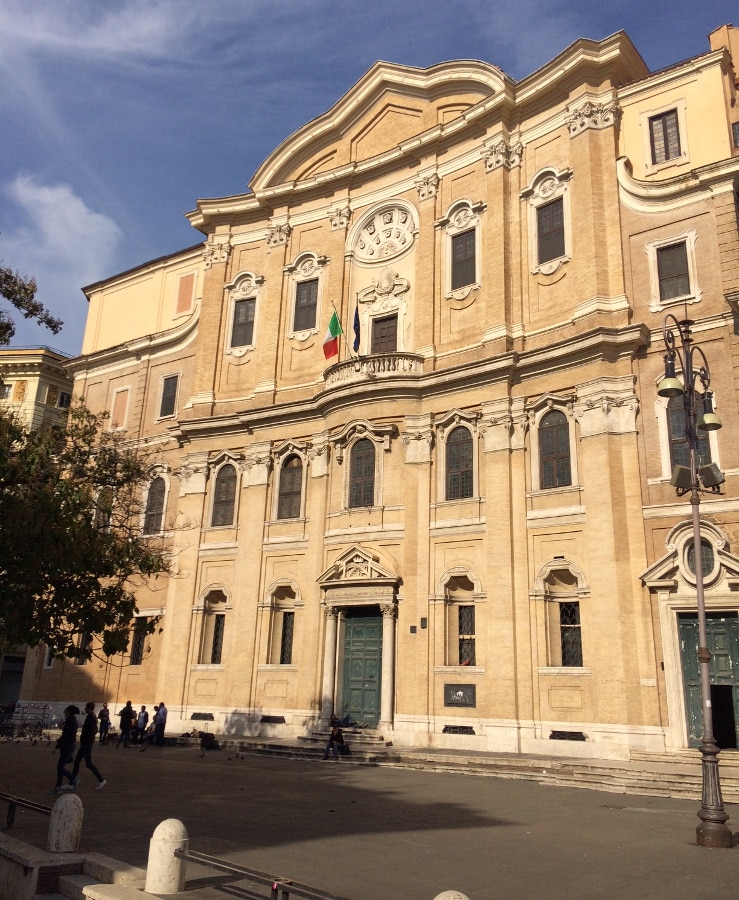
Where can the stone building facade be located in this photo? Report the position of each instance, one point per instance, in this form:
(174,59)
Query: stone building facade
(460,530)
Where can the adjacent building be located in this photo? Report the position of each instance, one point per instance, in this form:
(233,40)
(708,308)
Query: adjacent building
(460,530)
(35,386)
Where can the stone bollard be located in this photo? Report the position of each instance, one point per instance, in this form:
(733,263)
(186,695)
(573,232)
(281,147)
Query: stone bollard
(451,895)
(65,827)
(165,873)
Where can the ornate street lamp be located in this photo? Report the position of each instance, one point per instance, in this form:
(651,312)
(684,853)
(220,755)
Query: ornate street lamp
(713,830)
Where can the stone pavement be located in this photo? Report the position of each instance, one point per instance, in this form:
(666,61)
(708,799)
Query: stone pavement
(368,832)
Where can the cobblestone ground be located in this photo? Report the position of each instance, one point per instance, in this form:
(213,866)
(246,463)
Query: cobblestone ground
(370,832)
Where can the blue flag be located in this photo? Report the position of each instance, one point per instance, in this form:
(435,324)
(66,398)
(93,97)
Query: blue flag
(355,345)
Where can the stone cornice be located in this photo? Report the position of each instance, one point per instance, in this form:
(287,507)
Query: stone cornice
(681,190)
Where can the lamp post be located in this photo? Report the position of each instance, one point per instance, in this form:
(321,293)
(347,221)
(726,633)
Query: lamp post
(712,830)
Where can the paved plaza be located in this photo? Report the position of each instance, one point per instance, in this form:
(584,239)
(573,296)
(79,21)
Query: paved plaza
(368,832)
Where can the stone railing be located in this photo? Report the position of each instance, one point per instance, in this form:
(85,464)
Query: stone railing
(379,365)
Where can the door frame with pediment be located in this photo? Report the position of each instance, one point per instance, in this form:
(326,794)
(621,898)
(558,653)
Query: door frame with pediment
(357,579)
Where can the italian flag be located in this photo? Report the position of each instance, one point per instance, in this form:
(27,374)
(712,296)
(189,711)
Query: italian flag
(331,341)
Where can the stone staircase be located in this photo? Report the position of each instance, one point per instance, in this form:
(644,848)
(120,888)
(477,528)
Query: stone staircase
(659,775)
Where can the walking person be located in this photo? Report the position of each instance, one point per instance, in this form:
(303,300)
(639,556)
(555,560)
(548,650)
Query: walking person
(87,742)
(65,745)
(127,716)
(104,720)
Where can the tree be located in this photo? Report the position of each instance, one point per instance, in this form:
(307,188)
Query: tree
(21,293)
(72,554)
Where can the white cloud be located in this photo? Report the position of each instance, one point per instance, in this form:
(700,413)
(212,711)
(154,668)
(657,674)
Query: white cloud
(63,244)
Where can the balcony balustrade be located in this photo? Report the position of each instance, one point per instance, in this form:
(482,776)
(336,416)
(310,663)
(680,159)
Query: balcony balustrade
(368,368)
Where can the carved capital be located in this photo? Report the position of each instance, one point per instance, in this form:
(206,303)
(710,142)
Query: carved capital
(278,235)
(502,153)
(389,610)
(592,115)
(216,250)
(427,186)
(339,217)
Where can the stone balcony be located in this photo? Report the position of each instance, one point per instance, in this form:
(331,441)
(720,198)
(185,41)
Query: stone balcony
(377,366)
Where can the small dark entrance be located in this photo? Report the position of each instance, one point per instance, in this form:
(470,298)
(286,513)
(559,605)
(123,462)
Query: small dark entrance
(722,632)
(362,665)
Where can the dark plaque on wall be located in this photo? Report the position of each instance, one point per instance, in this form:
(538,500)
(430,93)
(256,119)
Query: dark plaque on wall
(459,695)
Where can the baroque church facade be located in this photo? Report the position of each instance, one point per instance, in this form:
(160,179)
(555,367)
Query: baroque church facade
(460,530)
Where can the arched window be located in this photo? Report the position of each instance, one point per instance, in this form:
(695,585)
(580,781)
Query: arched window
(155,507)
(679,447)
(554,451)
(290,490)
(214,626)
(459,457)
(224,496)
(362,474)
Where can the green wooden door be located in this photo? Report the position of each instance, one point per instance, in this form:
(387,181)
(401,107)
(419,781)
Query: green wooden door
(722,632)
(362,669)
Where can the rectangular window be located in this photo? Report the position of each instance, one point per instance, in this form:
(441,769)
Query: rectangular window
(48,658)
(219,627)
(84,643)
(120,407)
(664,137)
(466,635)
(735,133)
(65,400)
(5,390)
(242,331)
(286,640)
(385,335)
(550,224)
(673,271)
(306,303)
(184,294)
(138,641)
(463,259)
(52,395)
(169,396)
(570,634)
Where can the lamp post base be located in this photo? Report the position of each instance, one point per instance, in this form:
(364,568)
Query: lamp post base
(713,830)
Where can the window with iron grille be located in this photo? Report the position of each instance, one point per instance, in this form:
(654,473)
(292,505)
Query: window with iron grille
(550,228)
(679,441)
(138,641)
(290,489)
(242,330)
(673,271)
(306,304)
(466,635)
(154,507)
(169,396)
(570,633)
(735,133)
(554,451)
(707,558)
(459,461)
(216,647)
(463,259)
(224,496)
(664,136)
(286,638)
(385,334)
(362,474)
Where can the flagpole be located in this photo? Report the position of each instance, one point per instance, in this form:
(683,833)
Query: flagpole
(343,333)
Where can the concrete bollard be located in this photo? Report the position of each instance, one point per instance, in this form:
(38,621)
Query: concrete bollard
(451,895)
(65,827)
(165,873)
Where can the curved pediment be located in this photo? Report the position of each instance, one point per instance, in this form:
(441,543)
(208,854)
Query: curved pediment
(388,106)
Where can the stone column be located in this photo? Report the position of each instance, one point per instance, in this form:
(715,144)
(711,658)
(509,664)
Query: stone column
(329,665)
(389,613)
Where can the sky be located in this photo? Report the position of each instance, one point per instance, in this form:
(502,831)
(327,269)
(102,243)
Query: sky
(117,115)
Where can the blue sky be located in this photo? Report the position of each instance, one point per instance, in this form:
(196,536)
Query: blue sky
(116,116)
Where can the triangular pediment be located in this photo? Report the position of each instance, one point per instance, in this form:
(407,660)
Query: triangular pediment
(357,566)
(389,105)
